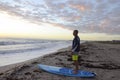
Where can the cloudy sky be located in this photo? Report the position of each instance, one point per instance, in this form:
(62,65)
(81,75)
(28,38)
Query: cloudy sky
(93,18)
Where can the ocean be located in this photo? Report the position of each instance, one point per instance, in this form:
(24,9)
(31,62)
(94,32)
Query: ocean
(19,50)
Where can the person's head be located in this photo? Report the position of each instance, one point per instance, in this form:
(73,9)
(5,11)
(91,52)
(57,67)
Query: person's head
(75,32)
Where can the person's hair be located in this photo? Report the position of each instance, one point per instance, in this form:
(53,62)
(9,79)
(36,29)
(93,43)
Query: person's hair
(76,31)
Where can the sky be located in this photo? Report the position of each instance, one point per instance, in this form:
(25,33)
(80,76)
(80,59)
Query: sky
(56,19)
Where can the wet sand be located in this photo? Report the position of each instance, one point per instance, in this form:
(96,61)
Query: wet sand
(103,58)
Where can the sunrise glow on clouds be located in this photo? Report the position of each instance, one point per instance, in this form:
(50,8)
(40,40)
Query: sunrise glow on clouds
(16,27)
(56,19)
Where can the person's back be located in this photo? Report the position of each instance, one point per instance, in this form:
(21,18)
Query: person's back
(75,49)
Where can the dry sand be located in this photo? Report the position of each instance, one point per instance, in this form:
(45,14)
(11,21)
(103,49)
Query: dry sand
(103,58)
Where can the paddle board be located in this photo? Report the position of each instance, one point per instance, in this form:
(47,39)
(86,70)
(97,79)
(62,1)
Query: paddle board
(66,71)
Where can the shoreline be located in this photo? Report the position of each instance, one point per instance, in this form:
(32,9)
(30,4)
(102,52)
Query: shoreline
(14,65)
(99,57)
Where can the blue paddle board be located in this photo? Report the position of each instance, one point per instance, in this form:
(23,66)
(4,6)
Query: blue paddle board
(66,71)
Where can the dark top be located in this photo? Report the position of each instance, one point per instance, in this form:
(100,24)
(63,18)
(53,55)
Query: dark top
(76,44)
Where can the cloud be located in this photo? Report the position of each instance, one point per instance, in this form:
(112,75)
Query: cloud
(9,9)
(94,16)
(78,7)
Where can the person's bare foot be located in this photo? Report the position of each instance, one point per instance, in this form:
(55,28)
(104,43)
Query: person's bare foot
(75,71)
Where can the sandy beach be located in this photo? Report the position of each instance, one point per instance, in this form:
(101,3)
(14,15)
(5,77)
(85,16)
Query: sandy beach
(103,58)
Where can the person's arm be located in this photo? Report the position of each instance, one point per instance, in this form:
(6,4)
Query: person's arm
(75,46)
(73,50)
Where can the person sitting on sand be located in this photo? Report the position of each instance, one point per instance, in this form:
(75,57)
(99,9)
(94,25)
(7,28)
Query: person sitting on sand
(75,50)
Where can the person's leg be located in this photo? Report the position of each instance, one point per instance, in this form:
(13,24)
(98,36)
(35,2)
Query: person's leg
(75,59)
(76,67)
